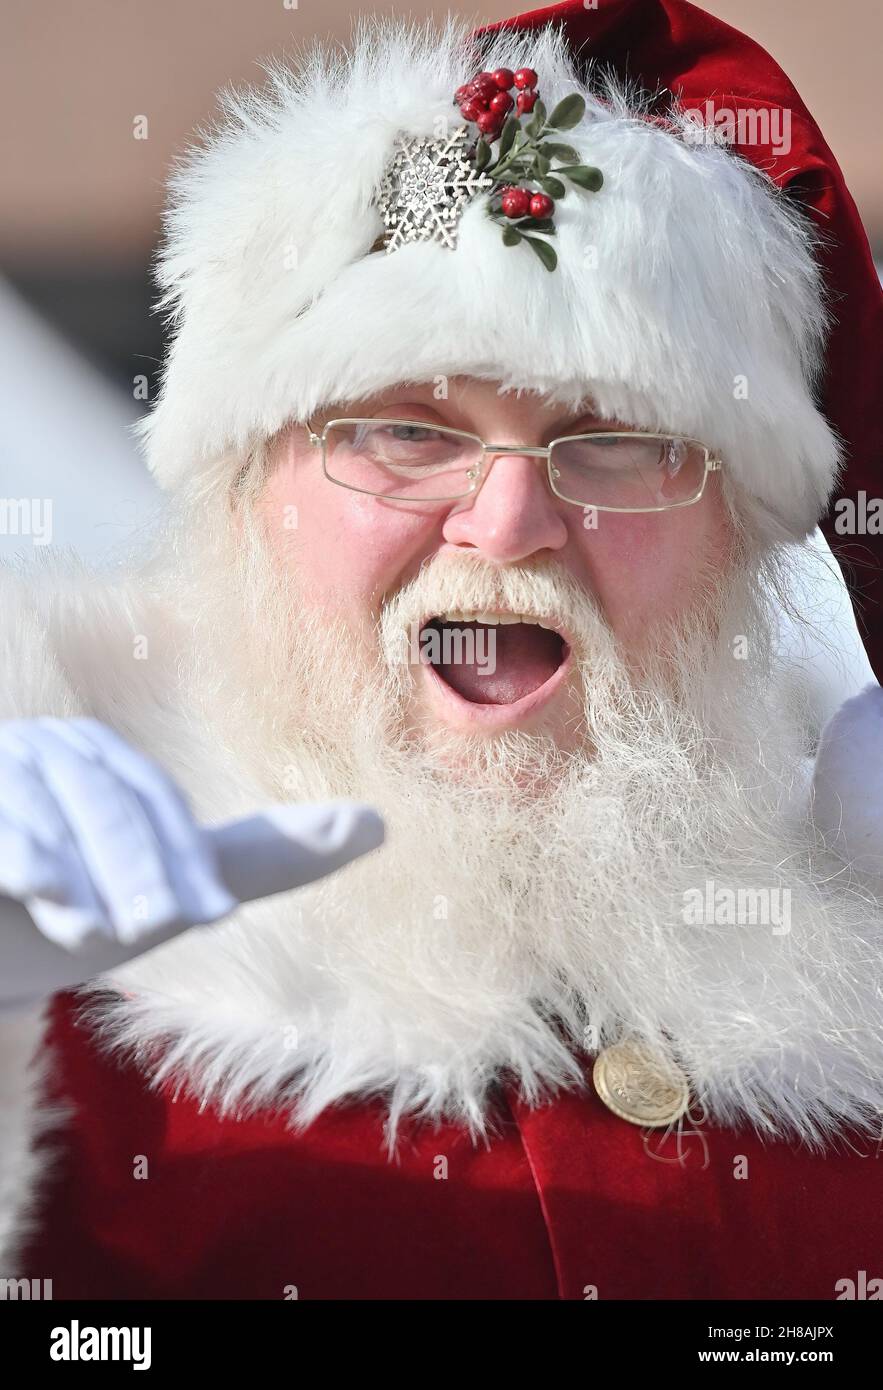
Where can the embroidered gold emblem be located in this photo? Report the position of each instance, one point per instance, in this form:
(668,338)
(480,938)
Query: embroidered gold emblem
(640,1086)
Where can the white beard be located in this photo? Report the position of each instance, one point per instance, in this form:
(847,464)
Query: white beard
(528,905)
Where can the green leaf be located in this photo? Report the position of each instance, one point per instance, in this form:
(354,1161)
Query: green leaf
(535,125)
(507,135)
(543,251)
(568,112)
(554,187)
(511,237)
(482,153)
(556,150)
(584,176)
(543,165)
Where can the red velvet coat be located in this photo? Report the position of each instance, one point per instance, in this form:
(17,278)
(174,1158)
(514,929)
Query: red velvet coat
(566,1199)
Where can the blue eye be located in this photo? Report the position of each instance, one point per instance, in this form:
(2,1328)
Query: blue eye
(412,434)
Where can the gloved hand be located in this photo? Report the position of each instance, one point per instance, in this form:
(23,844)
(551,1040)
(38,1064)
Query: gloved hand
(847,803)
(101,859)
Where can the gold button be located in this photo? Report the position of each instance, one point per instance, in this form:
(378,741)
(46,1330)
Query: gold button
(640,1086)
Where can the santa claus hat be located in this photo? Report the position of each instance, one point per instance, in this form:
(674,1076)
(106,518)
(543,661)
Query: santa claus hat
(687,294)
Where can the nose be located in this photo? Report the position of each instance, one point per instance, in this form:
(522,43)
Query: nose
(514,515)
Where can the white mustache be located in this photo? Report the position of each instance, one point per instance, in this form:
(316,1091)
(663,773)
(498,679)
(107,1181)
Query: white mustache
(541,589)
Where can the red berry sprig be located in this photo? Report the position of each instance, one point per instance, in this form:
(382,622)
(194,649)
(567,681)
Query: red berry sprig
(486,100)
(516,202)
(524,151)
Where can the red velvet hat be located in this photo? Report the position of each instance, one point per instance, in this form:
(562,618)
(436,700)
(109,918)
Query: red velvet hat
(674,48)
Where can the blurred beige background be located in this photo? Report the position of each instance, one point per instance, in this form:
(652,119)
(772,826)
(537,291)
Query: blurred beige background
(73,76)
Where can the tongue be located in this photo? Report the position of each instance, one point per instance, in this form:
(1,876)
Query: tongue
(510,660)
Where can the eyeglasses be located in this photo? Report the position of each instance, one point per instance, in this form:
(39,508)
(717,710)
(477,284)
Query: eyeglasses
(607,470)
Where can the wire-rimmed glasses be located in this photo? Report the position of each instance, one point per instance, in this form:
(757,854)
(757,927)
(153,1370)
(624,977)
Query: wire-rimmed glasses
(605,470)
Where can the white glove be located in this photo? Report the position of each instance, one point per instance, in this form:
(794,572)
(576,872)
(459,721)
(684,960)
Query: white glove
(848,781)
(101,860)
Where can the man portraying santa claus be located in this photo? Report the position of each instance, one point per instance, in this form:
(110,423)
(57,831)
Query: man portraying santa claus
(425,873)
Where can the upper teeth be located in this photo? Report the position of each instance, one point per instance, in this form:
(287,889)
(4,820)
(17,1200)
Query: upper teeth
(493,619)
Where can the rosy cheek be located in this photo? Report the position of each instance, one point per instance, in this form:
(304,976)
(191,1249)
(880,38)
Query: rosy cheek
(631,548)
(642,566)
(348,548)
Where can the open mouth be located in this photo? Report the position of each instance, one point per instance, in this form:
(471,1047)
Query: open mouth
(494,658)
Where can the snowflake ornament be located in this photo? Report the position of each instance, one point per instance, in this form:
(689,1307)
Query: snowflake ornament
(425,188)
(427,183)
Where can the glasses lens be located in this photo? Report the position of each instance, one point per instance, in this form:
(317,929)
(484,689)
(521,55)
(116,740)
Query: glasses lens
(628,472)
(410,462)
